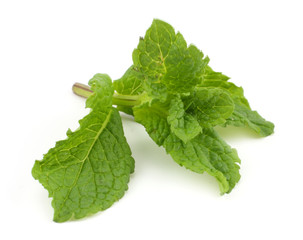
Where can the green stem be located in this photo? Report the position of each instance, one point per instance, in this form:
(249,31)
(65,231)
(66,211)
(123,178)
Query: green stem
(83,90)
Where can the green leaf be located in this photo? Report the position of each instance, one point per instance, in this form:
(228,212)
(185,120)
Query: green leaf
(210,74)
(88,171)
(126,109)
(156,90)
(245,117)
(210,106)
(242,114)
(130,83)
(185,126)
(153,116)
(102,96)
(163,56)
(205,152)
(235,92)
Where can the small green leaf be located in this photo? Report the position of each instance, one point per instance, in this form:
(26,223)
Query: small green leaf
(156,90)
(184,125)
(126,109)
(164,58)
(235,92)
(210,74)
(210,106)
(245,117)
(130,83)
(242,115)
(102,96)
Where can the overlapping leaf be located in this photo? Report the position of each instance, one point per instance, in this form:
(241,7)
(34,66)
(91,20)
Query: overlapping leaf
(242,116)
(130,83)
(182,124)
(210,106)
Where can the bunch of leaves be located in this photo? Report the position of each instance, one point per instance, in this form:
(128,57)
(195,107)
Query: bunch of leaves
(173,92)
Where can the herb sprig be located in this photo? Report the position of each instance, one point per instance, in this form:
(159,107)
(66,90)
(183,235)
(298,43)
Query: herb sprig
(173,92)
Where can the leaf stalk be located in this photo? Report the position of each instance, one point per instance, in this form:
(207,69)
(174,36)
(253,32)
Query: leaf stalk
(83,90)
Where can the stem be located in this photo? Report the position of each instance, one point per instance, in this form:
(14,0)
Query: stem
(83,90)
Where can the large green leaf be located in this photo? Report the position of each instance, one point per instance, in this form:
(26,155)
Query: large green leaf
(88,171)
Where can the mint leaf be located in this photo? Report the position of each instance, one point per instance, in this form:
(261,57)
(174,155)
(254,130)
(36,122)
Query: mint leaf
(103,91)
(210,106)
(210,74)
(242,115)
(130,83)
(88,171)
(154,118)
(125,109)
(235,92)
(245,117)
(164,58)
(184,125)
(207,152)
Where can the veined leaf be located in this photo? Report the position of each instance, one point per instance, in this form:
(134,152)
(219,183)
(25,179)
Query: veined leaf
(210,106)
(245,117)
(154,118)
(88,171)
(207,152)
(184,125)
(242,114)
(163,56)
(130,83)
(210,74)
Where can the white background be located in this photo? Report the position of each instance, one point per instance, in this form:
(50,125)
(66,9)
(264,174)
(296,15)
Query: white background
(46,46)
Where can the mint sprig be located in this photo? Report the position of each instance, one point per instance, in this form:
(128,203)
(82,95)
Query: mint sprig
(173,92)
